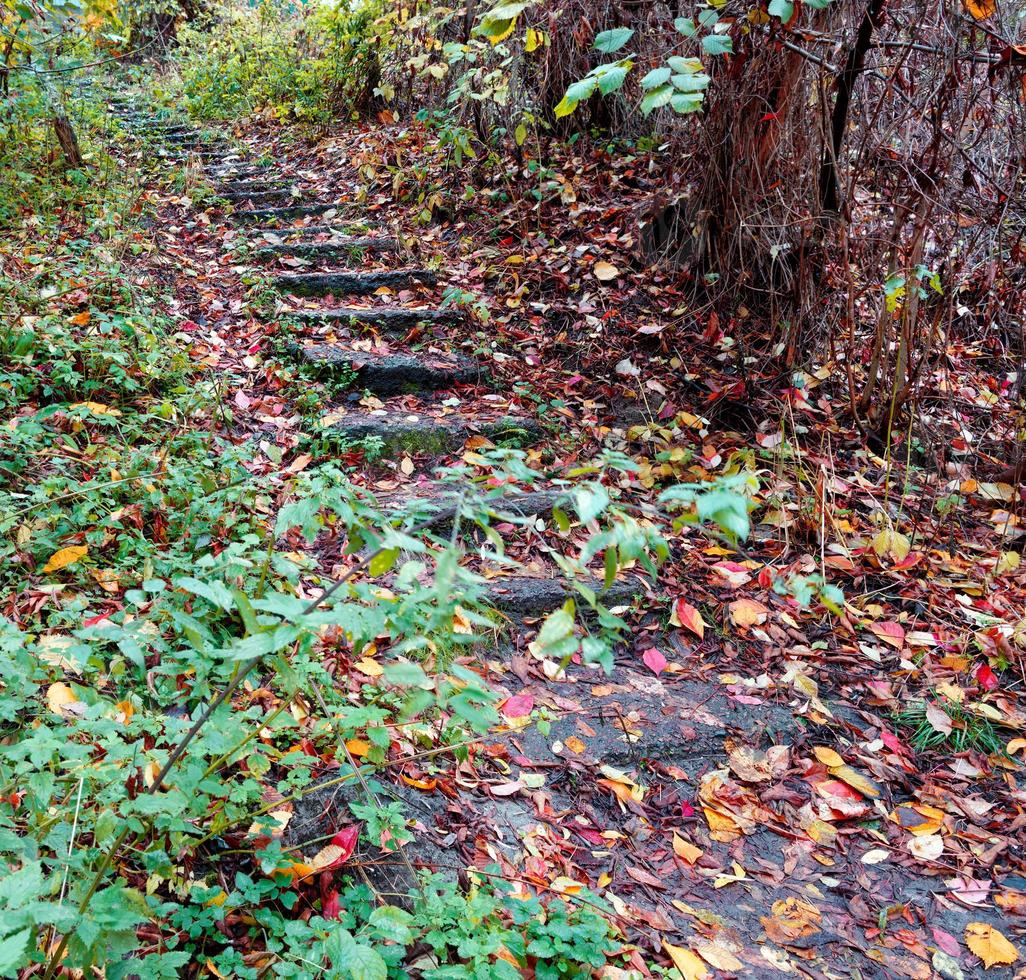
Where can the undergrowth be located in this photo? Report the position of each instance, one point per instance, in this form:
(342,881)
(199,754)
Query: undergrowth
(174,655)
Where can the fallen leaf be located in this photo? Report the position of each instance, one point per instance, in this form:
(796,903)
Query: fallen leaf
(828,757)
(604,271)
(654,660)
(876,856)
(989,945)
(747,612)
(518,706)
(65,557)
(686,850)
(927,848)
(981,9)
(686,962)
(938,718)
(63,701)
(689,617)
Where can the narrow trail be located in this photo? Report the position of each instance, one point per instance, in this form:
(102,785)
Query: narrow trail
(693,857)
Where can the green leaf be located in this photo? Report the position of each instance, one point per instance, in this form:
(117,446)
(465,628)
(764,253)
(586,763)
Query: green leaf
(690,83)
(717,44)
(686,26)
(610,41)
(362,963)
(392,923)
(562,521)
(383,561)
(13,951)
(684,66)
(610,81)
(590,501)
(656,98)
(783,9)
(405,674)
(583,89)
(214,592)
(612,564)
(556,637)
(656,77)
(684,102)
(708,17)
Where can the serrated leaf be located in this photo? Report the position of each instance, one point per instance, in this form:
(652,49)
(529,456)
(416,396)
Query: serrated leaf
(717,44)
(609,41)
(656,77)
(656,99)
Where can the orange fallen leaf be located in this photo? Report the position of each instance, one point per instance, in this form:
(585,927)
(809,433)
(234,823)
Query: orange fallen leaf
(65,557)
(687,963)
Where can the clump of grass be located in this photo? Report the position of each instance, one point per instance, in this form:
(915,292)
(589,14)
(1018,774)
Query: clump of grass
(968,729)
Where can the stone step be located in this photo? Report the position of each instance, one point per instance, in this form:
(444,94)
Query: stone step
(443,511)
(388,319)
(351,283)
(340,228)
(414,433)
(342,248)
(258,197)
(240,170)
(255,185)
(521,596)
(392,374)
(283,214)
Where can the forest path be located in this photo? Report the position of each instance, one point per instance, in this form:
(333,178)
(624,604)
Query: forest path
(662,790)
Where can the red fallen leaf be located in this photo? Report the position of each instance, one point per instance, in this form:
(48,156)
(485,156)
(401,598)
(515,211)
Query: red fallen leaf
(891,633)
(330,906)
(94,620)
(688,616)
(986,678)
(654,660)
(947,942)
(686,810)
(518,706)
(345,839)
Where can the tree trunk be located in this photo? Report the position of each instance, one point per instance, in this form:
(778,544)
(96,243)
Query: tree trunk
(68,141)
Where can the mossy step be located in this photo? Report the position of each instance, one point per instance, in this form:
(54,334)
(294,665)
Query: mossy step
(388,319)
(240,169)
(392,374)
(411,433)
(255,185)
(351,283)
(283,214)
(520,597)
(258,197)
(342,248)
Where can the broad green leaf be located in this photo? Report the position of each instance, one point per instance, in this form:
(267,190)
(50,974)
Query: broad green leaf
(685,26)
(690,83)
(656,98)
(684,102)
(717,44)
(591,501)
(392,923)
(783,9)
(708,17)
(613,79)
(656,77)
(609,41)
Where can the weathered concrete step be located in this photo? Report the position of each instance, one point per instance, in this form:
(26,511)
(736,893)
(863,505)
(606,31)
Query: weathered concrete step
(283,214)
(392,374)
(385,318)
(259,197)
(520,597)
(343,247)
(351,283)
(412,433)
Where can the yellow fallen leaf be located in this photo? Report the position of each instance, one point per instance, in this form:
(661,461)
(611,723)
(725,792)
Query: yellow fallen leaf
(604,271)
(855,780)
(63,701)
(97,408)
(1015,745)
(64,557)
(369,667)
(358,747)
(573,744)
(989,945)
(828,757)
(686,962)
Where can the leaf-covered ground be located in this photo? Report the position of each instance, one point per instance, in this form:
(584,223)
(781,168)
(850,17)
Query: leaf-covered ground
(759,786)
